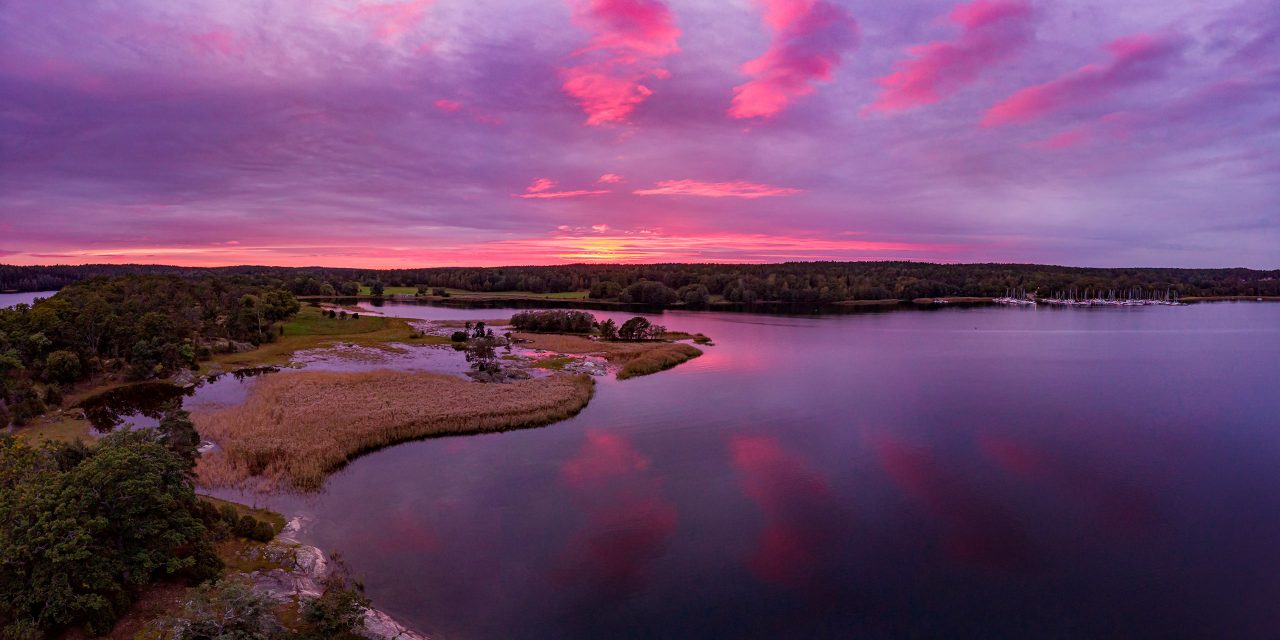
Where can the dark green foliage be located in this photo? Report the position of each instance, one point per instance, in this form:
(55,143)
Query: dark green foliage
(24,403)
(639,328)
(608,330)
(5,417)
(791,282)
(694,295)
(246,526)
(377,288)
(62,366)
(338,614)
(263,531)
(482,353)
(554,321)
(648,292)
(81,537)
(145,325)
(459,336)
(178,434)
(606,289)
(52,395)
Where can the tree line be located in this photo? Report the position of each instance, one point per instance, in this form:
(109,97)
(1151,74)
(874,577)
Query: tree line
(134,327)
(700,284)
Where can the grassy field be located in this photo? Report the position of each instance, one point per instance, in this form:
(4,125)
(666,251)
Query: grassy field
(390,291)
(59,427)
(311,329)
(295,429)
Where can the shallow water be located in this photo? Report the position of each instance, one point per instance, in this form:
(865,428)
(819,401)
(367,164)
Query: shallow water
(984,472)
(13,299)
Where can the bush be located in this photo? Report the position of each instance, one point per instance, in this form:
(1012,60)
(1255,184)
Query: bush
(62,366)
(459,336)
(554,321)
(222,610)
(53,395)
(263,531)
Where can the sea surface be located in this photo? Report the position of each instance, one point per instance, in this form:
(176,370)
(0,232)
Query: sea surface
(959,472)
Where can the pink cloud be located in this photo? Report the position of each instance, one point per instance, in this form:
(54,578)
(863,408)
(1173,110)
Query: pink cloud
(392,20)
(991,31)
(539,185)
(542,188)
(610,178)
(628,40)
(810,36)
(444,104)
(736,189)
(1135,59)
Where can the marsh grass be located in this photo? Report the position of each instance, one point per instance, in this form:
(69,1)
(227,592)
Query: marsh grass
(661,358)
(635,358)
(310,329)
(295,429)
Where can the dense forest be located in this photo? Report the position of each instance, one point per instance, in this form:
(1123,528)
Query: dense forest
(135,327)
(699,284)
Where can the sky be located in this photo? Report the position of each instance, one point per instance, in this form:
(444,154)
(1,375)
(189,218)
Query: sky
(422,133)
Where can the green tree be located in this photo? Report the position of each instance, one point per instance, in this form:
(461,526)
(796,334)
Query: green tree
(62,366)
(608,330)
(78,543)
(376,288)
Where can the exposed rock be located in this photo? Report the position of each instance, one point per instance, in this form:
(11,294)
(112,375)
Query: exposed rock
(185,378)
(241,347)
(307,568)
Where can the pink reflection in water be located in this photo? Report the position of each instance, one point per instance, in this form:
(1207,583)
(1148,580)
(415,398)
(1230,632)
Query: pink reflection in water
(975,529)
(798,508)
(628,521)
(1120,509)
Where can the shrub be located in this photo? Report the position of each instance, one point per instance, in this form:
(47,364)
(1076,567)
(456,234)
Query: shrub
(52,395)
(263,531)
(459,336)
(246,526)
(554,321)
(62,366)
(222,610)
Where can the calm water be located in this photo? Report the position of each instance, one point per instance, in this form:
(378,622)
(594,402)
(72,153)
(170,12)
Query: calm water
(987,473)
(11,299)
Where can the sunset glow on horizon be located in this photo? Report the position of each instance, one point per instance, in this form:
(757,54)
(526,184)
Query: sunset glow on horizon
(416,133)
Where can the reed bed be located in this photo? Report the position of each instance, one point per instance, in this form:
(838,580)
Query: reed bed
(658,359)
(296,428)
(635,358)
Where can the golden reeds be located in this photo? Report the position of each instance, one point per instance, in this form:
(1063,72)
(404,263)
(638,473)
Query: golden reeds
(636,358)
(661,358)
(295,428)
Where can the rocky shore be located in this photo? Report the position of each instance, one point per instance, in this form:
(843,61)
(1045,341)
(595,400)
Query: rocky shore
(301,570)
